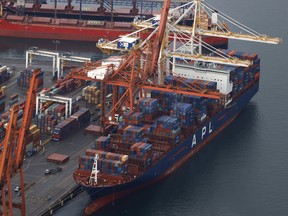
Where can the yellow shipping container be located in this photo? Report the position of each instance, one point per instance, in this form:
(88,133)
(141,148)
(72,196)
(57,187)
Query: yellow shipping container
(32,128)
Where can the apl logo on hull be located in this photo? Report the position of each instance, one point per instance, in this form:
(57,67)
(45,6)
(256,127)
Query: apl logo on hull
(203,131)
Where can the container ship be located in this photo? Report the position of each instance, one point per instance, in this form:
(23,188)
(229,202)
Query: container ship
(147,147)
(162,116)
(43,21)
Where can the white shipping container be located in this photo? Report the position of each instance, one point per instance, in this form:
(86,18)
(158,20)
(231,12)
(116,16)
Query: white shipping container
(115,63)
(21,3)
(3,68)
(99,72)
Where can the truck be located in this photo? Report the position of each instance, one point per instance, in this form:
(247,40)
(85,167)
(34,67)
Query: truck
(53,170)
(109,100)
(31,152)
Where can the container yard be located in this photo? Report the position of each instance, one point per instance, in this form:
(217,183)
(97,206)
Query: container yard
(114,126)
(43,154)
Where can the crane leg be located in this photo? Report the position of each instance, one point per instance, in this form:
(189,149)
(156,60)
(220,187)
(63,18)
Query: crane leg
(23,209)
(4,202)
(9,194)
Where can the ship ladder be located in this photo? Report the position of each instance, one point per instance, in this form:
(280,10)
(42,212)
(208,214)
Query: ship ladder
(94,172)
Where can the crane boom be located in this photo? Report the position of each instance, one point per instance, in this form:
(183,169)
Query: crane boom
(229,35)
(7,144)
(239,36)
(159,36)
(227,61)
(27,117)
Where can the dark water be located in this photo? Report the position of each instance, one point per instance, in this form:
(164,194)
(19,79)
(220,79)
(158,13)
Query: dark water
(244,170)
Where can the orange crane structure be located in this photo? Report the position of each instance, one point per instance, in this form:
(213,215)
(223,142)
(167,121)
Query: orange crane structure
(14,146)
(138,72)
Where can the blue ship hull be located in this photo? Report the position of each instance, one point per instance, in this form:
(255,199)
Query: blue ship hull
(176,157)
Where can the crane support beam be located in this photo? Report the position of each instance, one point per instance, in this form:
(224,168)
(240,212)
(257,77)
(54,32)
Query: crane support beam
(54,55)
(109,82)
(69,58)
(66,101)
(179,91)
(81,77)
(75,58)
(239,36)
(227,61)
(229,35)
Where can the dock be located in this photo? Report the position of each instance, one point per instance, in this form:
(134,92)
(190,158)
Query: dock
(45,194)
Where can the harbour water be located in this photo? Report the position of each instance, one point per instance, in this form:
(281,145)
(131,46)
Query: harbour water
(241,172)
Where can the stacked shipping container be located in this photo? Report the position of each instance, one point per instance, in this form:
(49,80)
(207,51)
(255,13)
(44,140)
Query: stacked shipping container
(166,100)
(149,106)
(46,123)
(91,94)
(67,84)
(200,106)
(131,118)
(106,155)
(167,128)
(106,166)
(108,162)
(132,134)
(3,90)
(4,74)
(53,114)
(34,136)
(2,98)
(143,152)
(101,143)
(13,99)
(75,121)
(241,76)
(184,112)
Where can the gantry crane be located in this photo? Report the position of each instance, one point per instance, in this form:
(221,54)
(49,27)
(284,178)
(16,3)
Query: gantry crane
(143,67)
(14,146)
(138,72)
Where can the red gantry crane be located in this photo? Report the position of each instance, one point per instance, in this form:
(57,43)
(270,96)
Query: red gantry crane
(143,68)
(14,146)
(138,72)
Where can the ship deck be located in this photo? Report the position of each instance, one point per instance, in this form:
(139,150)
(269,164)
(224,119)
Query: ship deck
(41,187)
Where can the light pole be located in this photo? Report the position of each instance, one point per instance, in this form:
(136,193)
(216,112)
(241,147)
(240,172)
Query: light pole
(56,42)
(55,9)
